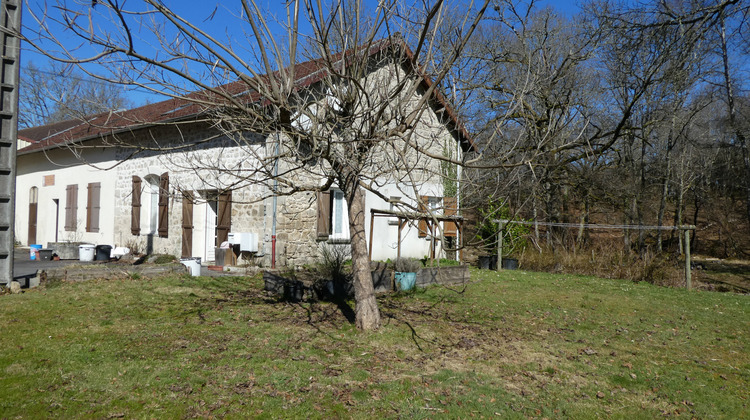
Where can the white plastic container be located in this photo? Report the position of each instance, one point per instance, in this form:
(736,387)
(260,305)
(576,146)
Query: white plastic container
(86,252)
(193,265)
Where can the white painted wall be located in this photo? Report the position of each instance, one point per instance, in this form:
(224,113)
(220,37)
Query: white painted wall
(67,170)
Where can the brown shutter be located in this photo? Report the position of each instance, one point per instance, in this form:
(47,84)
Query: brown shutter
(33,200)
(324,214)
(71,207)
(164,205)
(449,204)
(422,208)
(135,208)
(225,217)
(187,224)
(92,207)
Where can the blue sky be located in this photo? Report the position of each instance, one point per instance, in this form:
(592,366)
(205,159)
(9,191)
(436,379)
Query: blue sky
(220,20)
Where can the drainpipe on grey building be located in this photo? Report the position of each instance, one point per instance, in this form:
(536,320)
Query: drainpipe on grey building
(273,214)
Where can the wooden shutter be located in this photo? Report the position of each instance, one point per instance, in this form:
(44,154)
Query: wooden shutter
(422,208)
(33,206)
(449,205)
(187,224)
(92,207)
(224,223)
(164,205)
(135,208)
(324,214)
(71,207)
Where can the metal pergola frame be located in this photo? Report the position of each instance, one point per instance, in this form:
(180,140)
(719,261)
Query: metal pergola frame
(405,217)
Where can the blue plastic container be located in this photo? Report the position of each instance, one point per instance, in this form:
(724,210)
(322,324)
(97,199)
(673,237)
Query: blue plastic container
(405,281)
(34,251)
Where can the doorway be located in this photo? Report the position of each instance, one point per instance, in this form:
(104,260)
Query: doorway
(211,207)
(33,207)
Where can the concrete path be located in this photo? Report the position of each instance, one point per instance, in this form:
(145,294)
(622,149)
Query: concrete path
(25,268)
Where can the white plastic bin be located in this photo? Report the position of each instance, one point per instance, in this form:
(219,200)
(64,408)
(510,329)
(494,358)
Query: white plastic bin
(193,265)
(86,252)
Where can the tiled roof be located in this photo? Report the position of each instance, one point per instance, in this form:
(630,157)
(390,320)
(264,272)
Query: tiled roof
(175,109)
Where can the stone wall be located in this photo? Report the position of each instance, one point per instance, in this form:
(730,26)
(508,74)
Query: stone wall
(298,286)
(223,163)
(217,164)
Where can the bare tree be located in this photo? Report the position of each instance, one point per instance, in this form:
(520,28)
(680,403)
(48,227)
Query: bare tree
(58,93)
(352,121)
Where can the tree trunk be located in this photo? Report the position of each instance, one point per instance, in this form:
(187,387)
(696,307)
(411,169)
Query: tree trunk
(536,219)
(663,204)
(627,219)
(367,314)
(678,210)
(739,134)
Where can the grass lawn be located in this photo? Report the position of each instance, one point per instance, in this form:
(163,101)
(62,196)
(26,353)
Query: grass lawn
(511,345)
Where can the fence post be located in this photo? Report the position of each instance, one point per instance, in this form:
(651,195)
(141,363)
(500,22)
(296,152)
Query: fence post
(688,279)
(500,245)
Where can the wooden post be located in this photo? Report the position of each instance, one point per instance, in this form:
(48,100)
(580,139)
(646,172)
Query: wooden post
(688,280)
(460,242)
(500,245)
(372,223)
(400,226)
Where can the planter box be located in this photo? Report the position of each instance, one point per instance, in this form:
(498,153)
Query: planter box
(285,283)
(282,284)
(382,277)
(455,274)
(65,250)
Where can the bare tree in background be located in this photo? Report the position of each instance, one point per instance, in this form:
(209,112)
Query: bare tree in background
(356,127)
(57,93)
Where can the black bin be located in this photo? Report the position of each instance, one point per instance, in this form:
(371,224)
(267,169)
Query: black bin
(45,254)
(510,264)
(488,262)
(103,252)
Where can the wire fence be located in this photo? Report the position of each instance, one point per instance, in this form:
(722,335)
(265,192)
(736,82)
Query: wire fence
(685,228)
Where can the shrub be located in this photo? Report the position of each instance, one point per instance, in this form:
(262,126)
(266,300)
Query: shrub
(514,234)
(607,260)
(164,259)
(407,265)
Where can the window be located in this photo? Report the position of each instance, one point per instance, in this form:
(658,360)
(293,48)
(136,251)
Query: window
(339,217)
(92,207)
(157,200)
(71,208)
(333,218)
(429,206)
(152,201)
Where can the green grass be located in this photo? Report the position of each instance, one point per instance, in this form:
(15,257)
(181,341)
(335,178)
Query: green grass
(509,345)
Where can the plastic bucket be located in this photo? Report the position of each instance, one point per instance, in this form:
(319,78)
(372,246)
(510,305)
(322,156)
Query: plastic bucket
(103,252)
(405,281)
(86,252)
(34,251)
(193,265)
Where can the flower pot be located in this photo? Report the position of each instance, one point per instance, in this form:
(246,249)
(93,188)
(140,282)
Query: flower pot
(405,281)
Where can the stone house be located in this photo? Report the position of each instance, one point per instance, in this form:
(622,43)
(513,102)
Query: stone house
(162,178)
